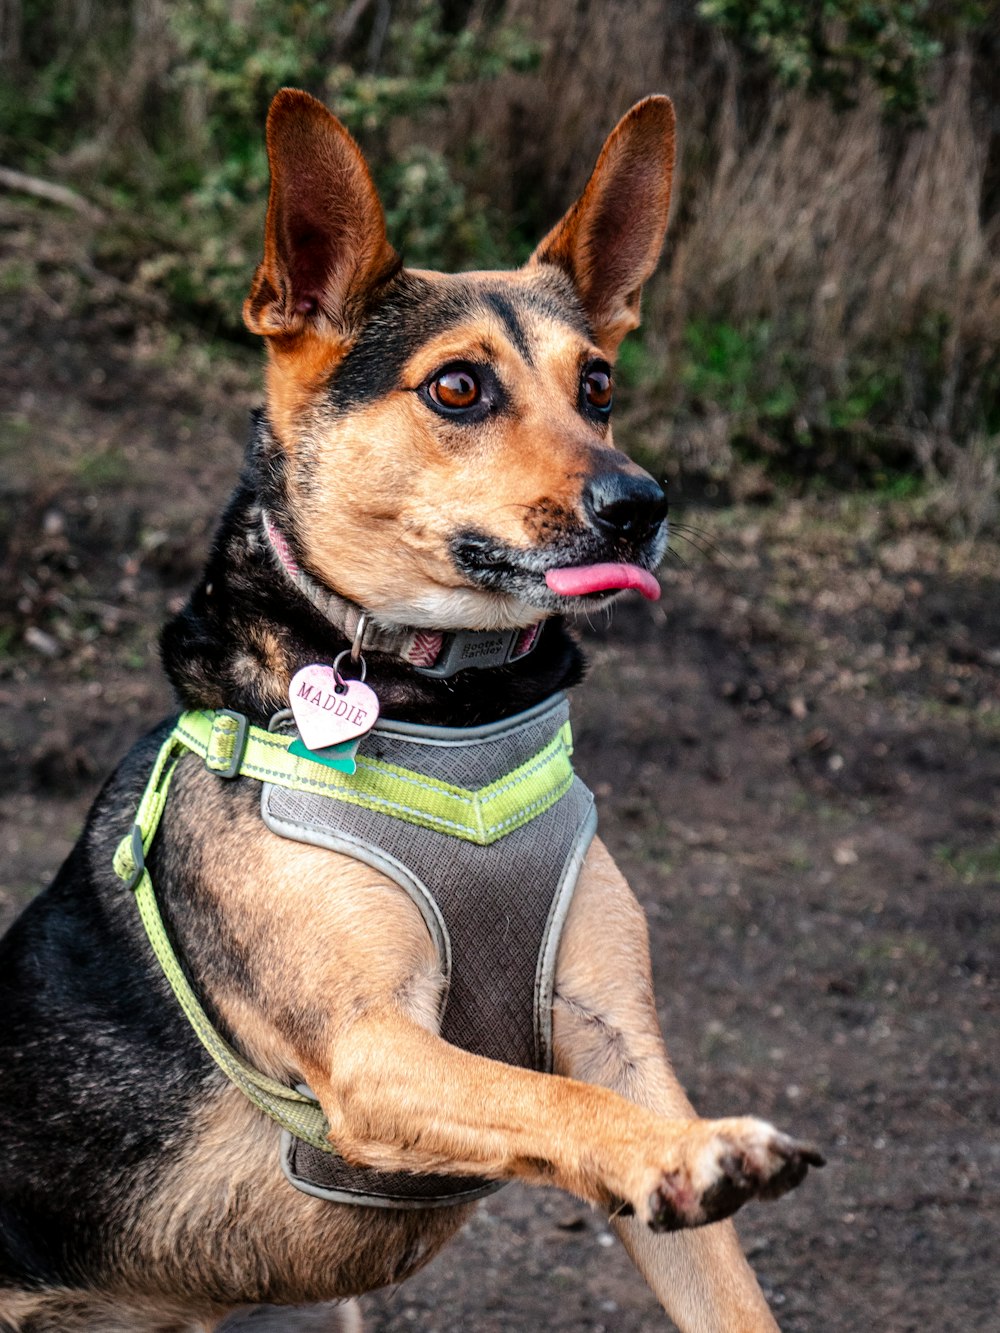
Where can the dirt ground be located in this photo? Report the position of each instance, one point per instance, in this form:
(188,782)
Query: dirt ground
(797,754)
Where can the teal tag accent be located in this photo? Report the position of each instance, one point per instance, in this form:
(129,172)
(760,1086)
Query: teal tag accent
(340,757)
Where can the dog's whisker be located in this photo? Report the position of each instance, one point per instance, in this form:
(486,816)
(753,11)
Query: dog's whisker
(694,535)
(701,544)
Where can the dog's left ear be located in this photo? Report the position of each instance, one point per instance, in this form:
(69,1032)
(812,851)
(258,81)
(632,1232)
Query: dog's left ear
(325,247)
(610,240)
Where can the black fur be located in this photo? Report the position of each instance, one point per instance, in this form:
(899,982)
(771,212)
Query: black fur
(506,312)
(100,1069)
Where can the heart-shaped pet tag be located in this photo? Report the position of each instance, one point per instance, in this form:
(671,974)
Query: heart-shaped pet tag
(328,709)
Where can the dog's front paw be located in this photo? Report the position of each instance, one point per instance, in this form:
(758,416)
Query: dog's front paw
(731,1162)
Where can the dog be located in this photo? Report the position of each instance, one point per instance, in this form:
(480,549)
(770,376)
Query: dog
(233,1075)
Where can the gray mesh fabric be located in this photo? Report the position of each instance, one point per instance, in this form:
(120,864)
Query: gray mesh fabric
(494,912)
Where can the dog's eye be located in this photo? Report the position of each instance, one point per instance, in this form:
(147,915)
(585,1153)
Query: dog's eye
(455,389)
(598,388)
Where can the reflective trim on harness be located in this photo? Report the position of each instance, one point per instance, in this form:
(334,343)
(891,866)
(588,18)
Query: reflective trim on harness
(230,748)
(481,816)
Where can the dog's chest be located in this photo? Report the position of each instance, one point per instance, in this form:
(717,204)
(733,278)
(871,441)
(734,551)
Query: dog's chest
(486,828)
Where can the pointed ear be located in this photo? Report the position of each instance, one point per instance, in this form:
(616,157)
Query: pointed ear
(610,240)
(325,246)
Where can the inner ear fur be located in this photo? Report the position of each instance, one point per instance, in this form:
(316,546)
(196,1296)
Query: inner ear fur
(325,247)
(610,240)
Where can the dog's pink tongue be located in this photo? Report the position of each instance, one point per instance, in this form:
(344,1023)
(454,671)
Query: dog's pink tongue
(579,580)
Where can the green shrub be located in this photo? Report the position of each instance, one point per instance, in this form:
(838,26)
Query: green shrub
(831,285)
(174,140)
(833,46)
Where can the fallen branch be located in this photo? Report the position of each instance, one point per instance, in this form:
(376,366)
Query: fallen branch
(20,183)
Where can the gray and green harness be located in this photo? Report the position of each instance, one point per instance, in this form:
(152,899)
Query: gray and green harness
(486,828)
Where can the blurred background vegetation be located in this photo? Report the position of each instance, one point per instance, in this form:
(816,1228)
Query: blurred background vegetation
(828,311)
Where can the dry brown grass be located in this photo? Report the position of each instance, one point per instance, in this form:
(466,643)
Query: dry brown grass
(854,258)
(814,218)
(861,246)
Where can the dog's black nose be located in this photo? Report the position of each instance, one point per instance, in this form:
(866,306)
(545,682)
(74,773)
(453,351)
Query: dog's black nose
(622,505)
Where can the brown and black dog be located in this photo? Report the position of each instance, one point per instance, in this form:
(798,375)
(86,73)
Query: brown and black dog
(435,450)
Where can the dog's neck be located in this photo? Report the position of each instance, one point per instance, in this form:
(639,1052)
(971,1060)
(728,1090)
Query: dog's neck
(246,630)
(439,653)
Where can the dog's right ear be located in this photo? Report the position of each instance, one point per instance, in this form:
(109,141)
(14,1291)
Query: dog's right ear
(325,245)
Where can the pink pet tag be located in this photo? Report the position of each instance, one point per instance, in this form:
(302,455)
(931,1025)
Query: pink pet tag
(329,709)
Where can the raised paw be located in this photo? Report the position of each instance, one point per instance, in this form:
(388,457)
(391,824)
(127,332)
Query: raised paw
(737,1160)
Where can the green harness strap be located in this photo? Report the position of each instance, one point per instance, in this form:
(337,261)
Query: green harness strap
(231,748)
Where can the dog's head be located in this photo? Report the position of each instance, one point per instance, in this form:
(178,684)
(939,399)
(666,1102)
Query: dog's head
(447,438)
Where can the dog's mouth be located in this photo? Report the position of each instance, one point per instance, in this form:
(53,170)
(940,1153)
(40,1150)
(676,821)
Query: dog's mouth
(569,576)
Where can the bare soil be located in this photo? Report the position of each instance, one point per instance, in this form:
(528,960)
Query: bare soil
(797,754)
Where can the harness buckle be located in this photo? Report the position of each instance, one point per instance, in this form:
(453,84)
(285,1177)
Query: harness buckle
(138,856)
(227,768)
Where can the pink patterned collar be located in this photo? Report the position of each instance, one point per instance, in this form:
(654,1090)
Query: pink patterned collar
(437,653)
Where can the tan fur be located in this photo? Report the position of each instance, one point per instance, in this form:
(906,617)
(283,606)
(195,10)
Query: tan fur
(296,368)
(357,1020)
(332,1003)
(426,482)
(325,918)
(606,1031)
(226,1208)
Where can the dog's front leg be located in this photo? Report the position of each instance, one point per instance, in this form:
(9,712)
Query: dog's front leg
(399,1097)
(355,1016)
(606,1032)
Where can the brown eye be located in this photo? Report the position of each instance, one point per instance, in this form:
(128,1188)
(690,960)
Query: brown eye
(455,389)
(598,388)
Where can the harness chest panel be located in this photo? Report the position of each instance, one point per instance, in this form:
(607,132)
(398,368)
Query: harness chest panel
(493,891)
